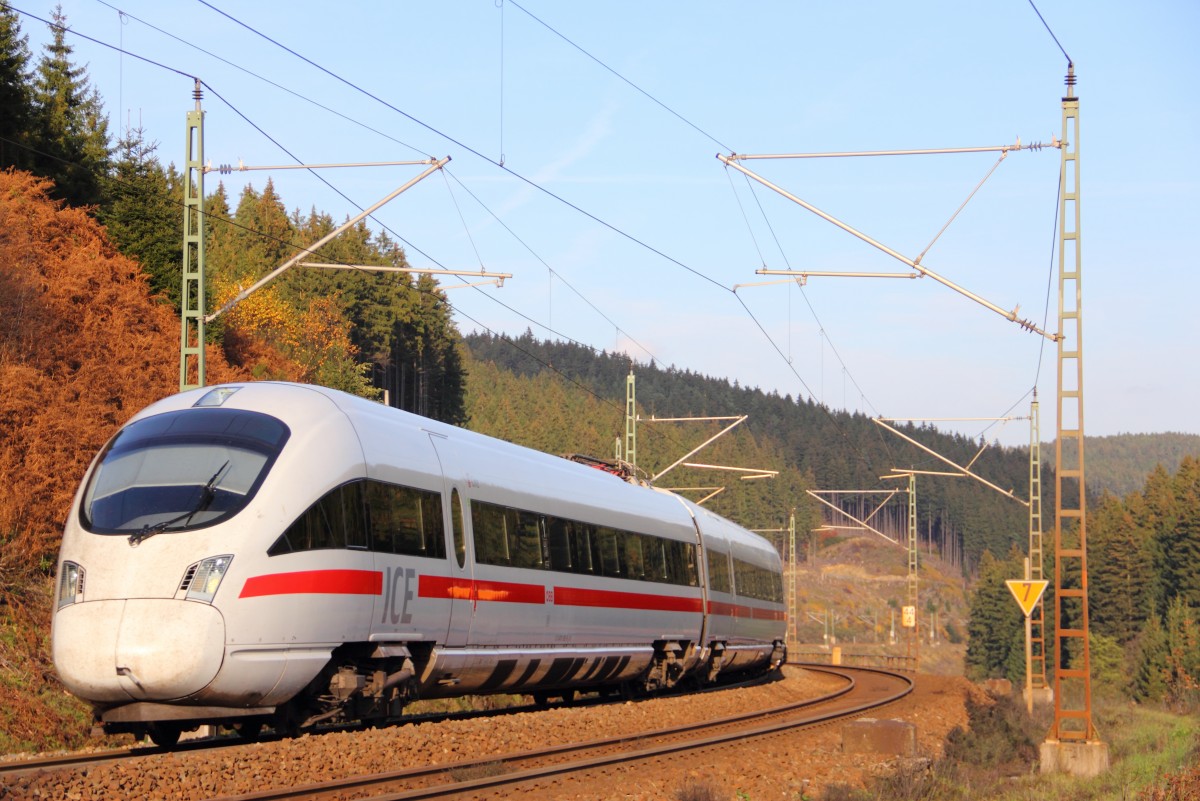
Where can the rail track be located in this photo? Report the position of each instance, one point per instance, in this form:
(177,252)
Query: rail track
(79,760)
(862,689)
(865,689)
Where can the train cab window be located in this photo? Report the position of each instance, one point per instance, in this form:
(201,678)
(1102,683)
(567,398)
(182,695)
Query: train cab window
(456,522)
(180,470)
(323,525)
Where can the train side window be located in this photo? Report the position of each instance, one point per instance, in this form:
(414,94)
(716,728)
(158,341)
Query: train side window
(581,534)
(718,571)
(526,545)
(654,558)
(634,557)
(491,544)
(608,546)
(684,566)
(352,515)
(433,528)
(456,522)
(559,537)
(681,563)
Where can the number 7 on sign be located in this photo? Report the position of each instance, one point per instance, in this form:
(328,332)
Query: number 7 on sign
(1027,593)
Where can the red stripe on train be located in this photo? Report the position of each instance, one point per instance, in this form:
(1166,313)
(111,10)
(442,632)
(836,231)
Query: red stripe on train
(469,590)
(739,610)
(613,599)
(319,582)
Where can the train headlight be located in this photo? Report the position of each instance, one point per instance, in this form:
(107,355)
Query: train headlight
(207,578)
(70,584)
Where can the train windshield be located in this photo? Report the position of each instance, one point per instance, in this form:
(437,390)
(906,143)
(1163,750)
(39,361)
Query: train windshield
(180,470)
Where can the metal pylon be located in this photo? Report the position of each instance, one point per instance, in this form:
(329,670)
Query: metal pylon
(631,420)
(793,607)
(1037,619)
(1072,674)
(914,641)
(191,300)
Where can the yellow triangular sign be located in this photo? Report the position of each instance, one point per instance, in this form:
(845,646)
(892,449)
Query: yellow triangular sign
(1027,593)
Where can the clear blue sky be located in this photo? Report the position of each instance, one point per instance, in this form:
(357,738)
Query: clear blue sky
(679,230)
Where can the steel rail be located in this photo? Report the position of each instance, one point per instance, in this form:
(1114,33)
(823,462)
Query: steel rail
(451,786)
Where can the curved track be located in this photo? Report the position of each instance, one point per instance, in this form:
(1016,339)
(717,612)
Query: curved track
(865,689)
(84,759)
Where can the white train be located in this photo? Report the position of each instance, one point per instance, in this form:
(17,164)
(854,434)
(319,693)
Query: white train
(281,554)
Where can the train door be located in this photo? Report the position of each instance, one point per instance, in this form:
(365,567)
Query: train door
(459,587)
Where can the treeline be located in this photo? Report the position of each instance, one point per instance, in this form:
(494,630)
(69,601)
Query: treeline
(813,446)
(373,334)
(1143,595)
(1120,463)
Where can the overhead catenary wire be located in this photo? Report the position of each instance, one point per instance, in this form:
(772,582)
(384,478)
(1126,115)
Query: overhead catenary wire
(529,182)
(635,239)
(545,264)
(613,405)
(633,85)
(553,195)
(253,74)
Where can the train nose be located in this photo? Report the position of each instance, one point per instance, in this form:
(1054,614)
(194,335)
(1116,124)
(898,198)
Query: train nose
(141,649)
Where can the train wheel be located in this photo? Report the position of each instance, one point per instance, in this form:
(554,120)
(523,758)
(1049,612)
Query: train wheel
(164,735)
(249,732)
(541,700)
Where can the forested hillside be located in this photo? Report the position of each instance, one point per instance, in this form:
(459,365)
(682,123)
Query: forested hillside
(815,447)
(1119,464)
(1144,596)
(90,257)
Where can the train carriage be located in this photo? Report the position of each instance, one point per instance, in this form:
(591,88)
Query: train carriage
(286,554)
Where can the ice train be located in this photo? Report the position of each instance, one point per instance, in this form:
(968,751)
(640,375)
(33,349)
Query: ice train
(283,555)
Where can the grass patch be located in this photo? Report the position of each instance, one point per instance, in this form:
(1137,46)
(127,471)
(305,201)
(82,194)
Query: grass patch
(1154,755)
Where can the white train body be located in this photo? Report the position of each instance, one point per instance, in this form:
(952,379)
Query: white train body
(289,554)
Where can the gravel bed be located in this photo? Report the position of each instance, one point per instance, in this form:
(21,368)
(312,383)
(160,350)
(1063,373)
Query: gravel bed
(767,769)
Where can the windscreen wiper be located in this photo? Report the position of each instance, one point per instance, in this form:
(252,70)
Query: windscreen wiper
(207,494)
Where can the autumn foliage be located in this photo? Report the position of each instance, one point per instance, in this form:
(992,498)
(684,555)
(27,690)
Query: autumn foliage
(83,346)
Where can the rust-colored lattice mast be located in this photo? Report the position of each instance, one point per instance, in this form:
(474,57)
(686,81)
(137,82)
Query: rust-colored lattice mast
(1072,675)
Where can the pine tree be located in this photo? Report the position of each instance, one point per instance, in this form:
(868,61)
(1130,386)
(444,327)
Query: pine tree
(1180,545)
(72,130)
(995,626)
(1182,655)
(1119,570)
(16,97)
(1150,671)
(143,213)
